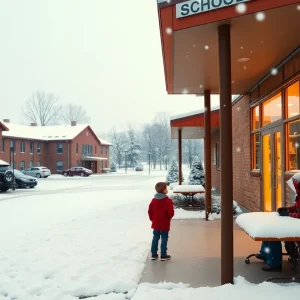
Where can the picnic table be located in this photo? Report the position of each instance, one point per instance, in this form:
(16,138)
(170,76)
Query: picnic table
(189,191)
(269,226)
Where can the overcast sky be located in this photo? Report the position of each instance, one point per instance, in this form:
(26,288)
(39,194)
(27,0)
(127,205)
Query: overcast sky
(102,54)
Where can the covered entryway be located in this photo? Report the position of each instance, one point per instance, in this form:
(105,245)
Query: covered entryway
(93,163)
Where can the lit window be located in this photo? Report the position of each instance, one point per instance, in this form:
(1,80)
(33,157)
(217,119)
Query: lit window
(293,146)
(292,100)
(272,110)
(255,118)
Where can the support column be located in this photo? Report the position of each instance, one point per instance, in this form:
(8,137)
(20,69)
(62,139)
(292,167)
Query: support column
(180,156)
(226,155)
(207,151)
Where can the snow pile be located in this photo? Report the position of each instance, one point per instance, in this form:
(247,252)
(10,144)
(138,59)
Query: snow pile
(71,245)
(269,224)
(188,188)
(197,173)
(240,290)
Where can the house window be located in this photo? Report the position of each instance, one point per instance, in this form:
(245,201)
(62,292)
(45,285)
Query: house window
(31,147)
(255,118)
(106,150)
(59,148)
(3,145)
(31,164)
(39,148)
(77,163)
(22,147)
(13,145)
(22,165)
(38,164)
(76,148)
(255,151)
(272,110)
(293,145)
(95,149)
(101,147)
(59,166)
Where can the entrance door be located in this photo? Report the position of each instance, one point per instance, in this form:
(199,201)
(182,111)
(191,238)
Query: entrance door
(272,176)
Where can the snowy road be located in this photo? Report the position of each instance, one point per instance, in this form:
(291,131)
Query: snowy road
(75,237)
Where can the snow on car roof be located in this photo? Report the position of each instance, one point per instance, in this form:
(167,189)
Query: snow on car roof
(3,163)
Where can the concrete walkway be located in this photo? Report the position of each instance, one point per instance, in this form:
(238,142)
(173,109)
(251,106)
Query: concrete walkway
(195,247)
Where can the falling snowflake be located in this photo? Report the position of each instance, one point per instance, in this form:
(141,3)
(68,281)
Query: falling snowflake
(238,108)
(205,109)
(187,56)
(241,8)
(206,47)
(242,47)
(274,71)
(194,46)
(260,16)
(201,86)
(238,149)
(169,30)
(267,250)
(232,81)
(297,145)
(298,7)
(184,91)
(245,67)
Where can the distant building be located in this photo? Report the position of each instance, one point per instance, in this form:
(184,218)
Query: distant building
(56,147)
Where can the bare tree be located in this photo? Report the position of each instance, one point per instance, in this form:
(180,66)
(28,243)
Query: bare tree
(42,108)
(118,140)
(72,112)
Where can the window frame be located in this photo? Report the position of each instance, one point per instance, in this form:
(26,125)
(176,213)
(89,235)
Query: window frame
(58,147)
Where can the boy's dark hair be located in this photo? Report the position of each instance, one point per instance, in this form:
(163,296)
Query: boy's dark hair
(160,187)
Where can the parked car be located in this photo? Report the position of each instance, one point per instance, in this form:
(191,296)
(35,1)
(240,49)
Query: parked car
(39,172)
(139,168)
(77,171)
(24,181)
(7,180)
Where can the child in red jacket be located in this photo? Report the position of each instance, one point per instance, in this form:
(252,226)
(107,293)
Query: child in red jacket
(161,211)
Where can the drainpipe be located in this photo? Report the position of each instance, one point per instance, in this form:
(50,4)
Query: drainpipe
(33,152)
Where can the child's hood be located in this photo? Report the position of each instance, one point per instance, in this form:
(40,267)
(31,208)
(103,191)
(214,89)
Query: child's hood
(160,196)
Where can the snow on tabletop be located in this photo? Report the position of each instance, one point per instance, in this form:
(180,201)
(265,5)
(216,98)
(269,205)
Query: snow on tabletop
(268,225)
(188,188)
(240,290)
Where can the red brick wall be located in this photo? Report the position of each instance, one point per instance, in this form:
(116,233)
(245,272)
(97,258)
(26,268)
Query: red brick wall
(246,187)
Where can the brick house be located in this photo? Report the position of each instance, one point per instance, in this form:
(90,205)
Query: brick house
(56,147)
(266,138)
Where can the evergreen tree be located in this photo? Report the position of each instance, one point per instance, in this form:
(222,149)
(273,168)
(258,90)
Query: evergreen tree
(173,172)
(113,167)
(197,176)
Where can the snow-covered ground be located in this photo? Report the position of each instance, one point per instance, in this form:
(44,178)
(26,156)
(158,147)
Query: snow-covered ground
(72,238)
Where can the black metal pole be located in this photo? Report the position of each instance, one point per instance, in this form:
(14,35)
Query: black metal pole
(149,162)
(226,155)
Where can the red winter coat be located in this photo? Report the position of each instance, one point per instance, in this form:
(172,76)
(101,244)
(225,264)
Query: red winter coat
(295,209)
(160,212)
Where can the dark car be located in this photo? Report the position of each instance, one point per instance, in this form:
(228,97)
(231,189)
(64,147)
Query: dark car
(6,177)
(77,171)
(24,181)
(139,168)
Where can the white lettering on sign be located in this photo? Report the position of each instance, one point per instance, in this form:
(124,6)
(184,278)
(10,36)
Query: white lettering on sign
(193,7)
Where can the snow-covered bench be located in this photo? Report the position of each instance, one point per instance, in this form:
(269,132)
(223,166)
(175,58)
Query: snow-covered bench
(189,191)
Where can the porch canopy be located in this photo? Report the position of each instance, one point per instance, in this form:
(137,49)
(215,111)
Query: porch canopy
(192,124)
(225,47)
(93,158)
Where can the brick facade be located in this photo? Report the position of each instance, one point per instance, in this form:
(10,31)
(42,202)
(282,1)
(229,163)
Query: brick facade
(48,155)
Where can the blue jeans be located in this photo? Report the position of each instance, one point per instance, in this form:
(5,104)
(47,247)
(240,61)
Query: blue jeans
(272,252)
(164,241)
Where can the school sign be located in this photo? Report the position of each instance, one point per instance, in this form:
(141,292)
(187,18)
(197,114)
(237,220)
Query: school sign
(193,7)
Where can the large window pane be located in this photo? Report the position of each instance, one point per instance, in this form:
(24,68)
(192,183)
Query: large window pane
(293,146)
(272,110)
(256,151)
(255,118)
(292,100)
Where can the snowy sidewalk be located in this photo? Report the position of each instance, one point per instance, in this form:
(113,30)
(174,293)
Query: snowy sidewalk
(195,247)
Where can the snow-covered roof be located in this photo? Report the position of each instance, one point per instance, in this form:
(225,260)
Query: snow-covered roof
(104,142)
(193,113)
(45,133)
(3,163)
